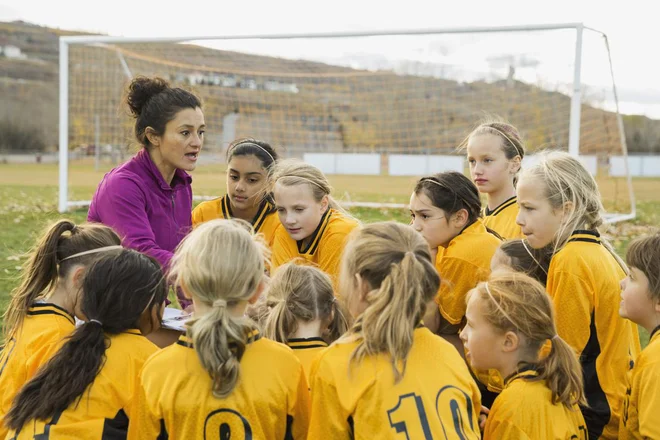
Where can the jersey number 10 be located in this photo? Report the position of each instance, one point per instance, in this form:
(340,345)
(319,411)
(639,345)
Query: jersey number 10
(409,416)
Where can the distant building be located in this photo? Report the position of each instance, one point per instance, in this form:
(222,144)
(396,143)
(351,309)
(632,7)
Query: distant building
(12,52)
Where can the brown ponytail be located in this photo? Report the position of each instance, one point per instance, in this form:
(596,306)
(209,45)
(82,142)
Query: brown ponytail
(515,302)
(302,293)
(45,266)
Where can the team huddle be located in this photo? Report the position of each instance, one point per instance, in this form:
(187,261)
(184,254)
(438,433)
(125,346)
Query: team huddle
(516,320)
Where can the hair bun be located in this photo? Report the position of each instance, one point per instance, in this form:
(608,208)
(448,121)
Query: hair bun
(141,89)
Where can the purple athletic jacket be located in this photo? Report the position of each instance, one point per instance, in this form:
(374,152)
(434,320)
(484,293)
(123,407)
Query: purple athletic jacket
(150,215)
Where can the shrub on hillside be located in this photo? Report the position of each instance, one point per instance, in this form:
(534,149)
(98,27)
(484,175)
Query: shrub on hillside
(20,137)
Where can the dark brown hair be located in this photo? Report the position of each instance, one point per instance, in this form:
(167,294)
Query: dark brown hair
(451,191)
(119,286)
(530,261)
(153,103)
(253,147)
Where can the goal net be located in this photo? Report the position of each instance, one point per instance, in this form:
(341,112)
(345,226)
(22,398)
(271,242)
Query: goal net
(365,106)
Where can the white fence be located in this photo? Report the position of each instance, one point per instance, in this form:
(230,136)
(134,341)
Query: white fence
(361,164)
(589,162)
(421,165)
(411,164)
(638,166)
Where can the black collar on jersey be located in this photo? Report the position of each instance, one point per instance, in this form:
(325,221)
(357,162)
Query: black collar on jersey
(655,330)
(315,238)
(265,209)
(50,309)
(133,331)
(502,206)
(185,341)
(525,370)
(304,343)
(585,236)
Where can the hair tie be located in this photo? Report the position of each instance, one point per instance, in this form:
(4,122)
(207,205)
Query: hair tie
(92,251)
(220,303)
(554,337)
(96,321)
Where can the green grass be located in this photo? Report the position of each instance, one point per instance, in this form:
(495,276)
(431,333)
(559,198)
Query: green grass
(28,197)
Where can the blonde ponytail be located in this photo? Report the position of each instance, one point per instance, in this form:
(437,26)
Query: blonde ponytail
(220,341)
(395,263)
(48,262)
(220,264)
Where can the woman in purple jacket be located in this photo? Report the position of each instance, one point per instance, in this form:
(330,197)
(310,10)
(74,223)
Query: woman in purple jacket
(148,200)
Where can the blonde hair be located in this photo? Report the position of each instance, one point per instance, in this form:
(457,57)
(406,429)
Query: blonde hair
(49,261)
(515,302)
(567,183)
(221,264)
(302,293)
(644,254)
(395,262)
(291,172)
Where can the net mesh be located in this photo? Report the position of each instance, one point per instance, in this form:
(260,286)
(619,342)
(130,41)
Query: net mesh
(404,94)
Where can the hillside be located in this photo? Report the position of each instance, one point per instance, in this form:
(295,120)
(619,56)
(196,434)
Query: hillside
(298,105)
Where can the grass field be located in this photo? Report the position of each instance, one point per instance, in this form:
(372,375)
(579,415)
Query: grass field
(28,202)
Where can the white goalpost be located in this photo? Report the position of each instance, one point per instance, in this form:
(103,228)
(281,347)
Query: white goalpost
(379,93)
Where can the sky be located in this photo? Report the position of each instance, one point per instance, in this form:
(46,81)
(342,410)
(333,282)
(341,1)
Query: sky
(628,26)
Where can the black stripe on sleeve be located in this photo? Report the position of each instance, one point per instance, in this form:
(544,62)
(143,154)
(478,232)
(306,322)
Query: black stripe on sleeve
(163,435)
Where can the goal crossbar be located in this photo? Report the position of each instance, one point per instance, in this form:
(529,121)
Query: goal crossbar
(575,109)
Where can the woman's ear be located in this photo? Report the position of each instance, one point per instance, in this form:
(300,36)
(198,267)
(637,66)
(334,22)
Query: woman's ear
(152,137)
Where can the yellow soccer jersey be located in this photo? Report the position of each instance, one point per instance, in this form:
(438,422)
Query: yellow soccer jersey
(583,282)
(640,419)
(524,411)
(324,248)
(104,409)
(436,398)
(503,219)
(265,222)
(306,351)
(464,263)
(41,335)
(270,400)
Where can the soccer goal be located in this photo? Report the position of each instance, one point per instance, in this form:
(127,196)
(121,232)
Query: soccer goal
(393,103)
